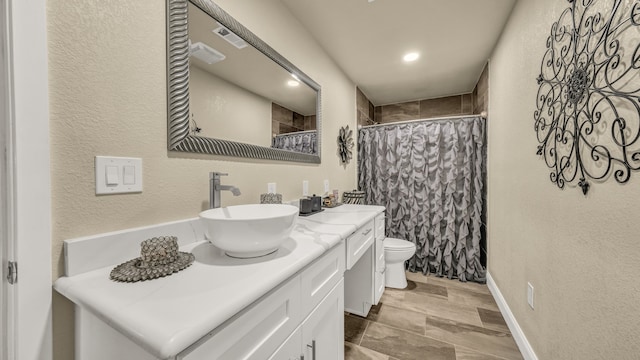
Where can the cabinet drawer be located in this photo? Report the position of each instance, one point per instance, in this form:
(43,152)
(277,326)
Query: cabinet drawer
(319,278)
(358,243)
(379,224)
(256,332)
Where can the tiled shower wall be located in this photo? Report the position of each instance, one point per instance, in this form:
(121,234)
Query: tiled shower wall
(424,109)
(465,104)
(365,109)
(480,94)
(285,121)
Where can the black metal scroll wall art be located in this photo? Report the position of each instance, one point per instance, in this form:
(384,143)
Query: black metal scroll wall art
(587,117)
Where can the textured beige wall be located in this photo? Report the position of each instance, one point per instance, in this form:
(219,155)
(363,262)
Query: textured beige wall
(480,94)
(227,111)
(580,253)
(108,97)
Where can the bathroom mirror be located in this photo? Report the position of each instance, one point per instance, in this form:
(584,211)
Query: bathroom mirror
(229,92)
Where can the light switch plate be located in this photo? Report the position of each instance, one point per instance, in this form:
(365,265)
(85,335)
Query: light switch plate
(305,188)
(129,181)
(530,295)
(271,188)
(326,186)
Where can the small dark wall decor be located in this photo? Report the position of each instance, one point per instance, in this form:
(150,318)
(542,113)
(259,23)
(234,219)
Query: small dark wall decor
(345,144)
(587,117)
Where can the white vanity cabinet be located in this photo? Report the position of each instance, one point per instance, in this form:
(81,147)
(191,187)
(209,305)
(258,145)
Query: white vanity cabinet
(379,263)
(306,310)
(320,336)
(359,243)
(291,349)
(364,279)
(323,331)
(302,315)
(288,306)
(256,332)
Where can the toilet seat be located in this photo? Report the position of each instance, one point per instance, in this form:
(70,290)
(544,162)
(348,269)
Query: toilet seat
(392,244)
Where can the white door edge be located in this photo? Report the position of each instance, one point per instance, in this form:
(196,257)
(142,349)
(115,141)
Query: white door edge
(28,212)
(7,344)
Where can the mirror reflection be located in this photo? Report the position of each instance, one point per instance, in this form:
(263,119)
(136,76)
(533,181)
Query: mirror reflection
(239,94)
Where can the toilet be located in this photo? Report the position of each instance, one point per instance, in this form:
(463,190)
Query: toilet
(396,252)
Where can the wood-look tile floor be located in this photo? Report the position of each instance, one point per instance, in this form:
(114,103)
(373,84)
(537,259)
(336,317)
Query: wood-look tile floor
(433,318)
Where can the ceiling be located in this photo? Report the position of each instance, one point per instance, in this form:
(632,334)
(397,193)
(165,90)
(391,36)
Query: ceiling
(368,39)
(247,67)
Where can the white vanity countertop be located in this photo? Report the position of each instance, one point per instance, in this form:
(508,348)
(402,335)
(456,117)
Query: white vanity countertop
(347,214)
(166,315)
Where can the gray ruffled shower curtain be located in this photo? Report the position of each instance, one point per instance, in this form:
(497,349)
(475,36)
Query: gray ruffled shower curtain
(301,141)
(430,177)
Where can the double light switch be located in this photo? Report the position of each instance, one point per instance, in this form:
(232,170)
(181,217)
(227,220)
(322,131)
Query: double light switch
(117,175)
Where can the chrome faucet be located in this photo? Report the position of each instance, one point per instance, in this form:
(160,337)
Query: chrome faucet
(215,188)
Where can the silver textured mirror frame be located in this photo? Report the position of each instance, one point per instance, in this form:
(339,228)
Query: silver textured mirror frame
(179,137)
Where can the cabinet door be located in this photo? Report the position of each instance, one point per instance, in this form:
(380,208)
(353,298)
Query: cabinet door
(379,286)
(256,332)
(323,330)
(360,285)
(291,349)
(96,340)
(379,263)
(379,269)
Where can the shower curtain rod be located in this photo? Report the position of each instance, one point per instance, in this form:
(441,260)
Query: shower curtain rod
(298,132)
(436,119)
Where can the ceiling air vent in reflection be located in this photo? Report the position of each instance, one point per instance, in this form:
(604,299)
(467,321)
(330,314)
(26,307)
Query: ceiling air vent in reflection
(206,53)
(230,37)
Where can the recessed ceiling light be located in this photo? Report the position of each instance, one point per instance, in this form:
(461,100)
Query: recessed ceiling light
(413,56)
(293,83)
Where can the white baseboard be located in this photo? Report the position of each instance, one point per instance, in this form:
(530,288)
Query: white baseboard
(516,331)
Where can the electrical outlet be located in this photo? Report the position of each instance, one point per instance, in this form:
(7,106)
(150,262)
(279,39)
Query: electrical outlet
(326,186)
(305,188)
(530,294)
(271,188)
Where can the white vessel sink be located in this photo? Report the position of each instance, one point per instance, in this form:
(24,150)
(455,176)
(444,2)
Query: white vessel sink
(247,231)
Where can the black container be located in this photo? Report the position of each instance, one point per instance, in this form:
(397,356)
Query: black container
(305,206)
(316,203)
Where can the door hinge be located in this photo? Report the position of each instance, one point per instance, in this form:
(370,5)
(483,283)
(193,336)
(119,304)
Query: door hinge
(12,275)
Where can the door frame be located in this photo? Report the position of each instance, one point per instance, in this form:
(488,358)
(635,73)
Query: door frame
(27,181)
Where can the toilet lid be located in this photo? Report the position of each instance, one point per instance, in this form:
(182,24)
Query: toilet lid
(392,244)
